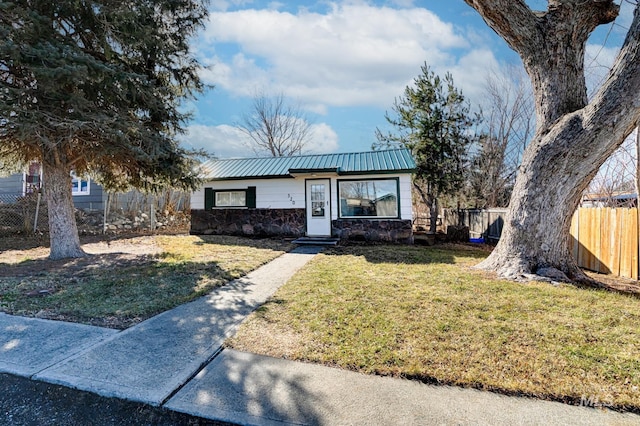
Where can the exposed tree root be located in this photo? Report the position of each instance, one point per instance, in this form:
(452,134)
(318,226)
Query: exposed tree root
(516,269)
(68,254)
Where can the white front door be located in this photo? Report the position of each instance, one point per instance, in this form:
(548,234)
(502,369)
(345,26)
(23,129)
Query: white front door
(318,208)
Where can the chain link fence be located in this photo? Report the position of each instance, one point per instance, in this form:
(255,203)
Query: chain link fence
(119,213)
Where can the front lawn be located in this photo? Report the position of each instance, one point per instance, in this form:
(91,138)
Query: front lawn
(127,280)
(422,313)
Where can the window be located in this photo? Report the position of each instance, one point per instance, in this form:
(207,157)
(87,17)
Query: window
(32,178)
(230,198)
(79,186)
(368,198)
(317,200)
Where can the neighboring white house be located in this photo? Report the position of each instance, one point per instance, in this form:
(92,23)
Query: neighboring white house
(364,195)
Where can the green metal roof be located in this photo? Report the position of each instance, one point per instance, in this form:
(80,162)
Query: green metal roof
(357,163)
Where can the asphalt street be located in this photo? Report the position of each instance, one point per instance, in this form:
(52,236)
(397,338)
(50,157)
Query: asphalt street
(26,402)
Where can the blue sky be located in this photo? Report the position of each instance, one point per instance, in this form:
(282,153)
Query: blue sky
(344,62)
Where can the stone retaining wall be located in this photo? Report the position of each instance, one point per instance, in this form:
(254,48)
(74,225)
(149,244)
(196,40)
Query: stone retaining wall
(388,230)
(258,222)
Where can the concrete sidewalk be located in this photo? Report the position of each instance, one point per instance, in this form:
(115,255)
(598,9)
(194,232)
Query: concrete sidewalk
(148,362)
(174,360)
(251,389)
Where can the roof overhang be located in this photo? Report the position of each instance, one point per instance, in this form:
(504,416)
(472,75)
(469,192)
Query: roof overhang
(326,171)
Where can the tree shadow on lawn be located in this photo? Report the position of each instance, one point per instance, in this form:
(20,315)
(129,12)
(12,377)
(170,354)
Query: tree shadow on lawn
(460,254)
(23,241)
(273,243)
(112,290)
(26,241)
(409,254)
(73,267)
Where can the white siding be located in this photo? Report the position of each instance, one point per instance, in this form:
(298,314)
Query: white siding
(290,193)
(406,210)
(197,198)
(270,193)
(406,207)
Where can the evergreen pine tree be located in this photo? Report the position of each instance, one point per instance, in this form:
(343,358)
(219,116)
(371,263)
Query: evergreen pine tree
(95,87)
(433,120)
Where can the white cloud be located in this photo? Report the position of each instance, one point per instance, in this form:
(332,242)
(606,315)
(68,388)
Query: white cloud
(403,3)
(241,76)
(625,18)
(470,71)
(225,141)
(323,139)
(597,56)
(354,54)
(598,61)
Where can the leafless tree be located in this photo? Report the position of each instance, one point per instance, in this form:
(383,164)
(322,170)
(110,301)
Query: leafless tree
(617,175)
(275,127)
(574,135)
(508,126)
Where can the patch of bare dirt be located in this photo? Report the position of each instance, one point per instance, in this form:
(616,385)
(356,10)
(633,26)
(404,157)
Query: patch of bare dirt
(28,259)
(620,284)
(101,255)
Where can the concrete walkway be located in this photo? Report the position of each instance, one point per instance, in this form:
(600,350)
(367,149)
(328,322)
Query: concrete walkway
(175,360)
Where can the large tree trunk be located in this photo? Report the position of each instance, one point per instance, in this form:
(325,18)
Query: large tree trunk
(63,232)
(555,171)
(573,138)
(431,202)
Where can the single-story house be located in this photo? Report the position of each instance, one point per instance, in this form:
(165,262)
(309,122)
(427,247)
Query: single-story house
(365,195)
(87,194)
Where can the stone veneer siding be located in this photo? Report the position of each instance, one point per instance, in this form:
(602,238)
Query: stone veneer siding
(389,230)
(250,222)
(292,223)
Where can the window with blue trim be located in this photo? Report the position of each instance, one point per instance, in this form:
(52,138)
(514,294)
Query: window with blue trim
(80,186)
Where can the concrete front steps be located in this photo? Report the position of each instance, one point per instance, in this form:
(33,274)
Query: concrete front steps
(316,241)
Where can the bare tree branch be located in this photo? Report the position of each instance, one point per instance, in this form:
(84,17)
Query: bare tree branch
(509,125)
(563,29)
(275,127)
(512,20)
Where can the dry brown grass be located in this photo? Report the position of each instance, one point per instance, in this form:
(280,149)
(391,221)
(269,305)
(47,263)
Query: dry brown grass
(422,313)
(127,280)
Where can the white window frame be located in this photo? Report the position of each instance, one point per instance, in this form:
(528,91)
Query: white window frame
(341,200)
(220,203)
(77,189)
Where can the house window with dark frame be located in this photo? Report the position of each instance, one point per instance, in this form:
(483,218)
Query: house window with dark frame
(230,198)
(374,198)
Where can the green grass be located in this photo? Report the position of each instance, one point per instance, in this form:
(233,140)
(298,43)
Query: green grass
(119,294)
(422,313)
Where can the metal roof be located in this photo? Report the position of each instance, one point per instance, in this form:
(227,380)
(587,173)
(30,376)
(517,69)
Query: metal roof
(357,163)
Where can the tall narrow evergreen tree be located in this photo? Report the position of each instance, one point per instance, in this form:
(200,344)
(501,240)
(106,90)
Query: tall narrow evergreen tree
(95,87)
(433,120)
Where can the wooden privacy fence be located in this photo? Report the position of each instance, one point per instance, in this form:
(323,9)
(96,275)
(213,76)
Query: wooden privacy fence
(606,240)
(603,239)
(482,223)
